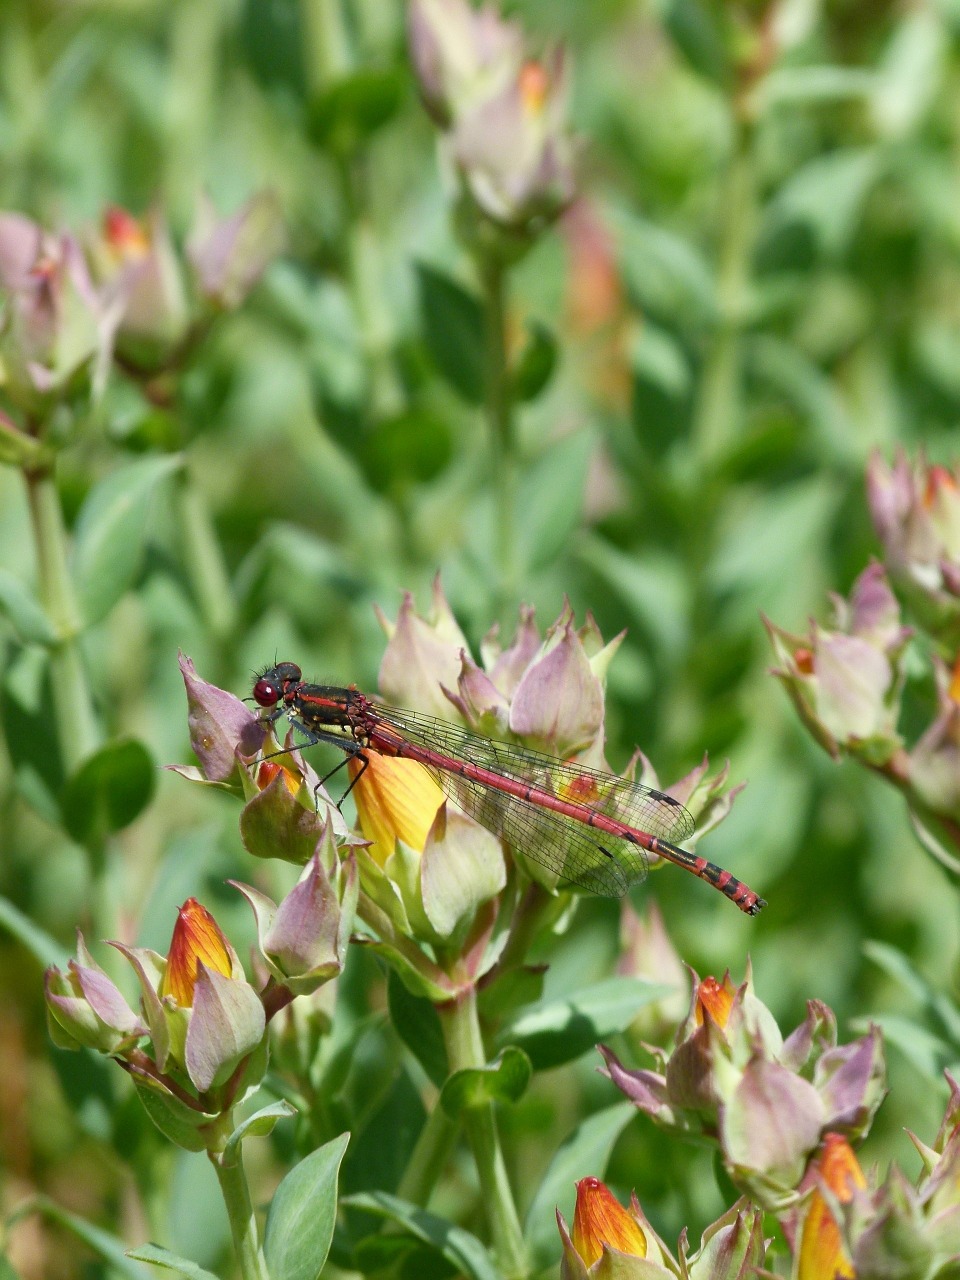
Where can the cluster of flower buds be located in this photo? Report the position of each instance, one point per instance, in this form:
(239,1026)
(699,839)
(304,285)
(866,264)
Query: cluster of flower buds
(66,311)
(502,113)
(846,681)
(428,873)
(766,1100)
(547,691)
(610,1242)
(166,298)
(916,513)
(197,1045)
(852,1225)
(56,328)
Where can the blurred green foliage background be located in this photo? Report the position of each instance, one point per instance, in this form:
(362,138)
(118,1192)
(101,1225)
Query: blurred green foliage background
(743,301)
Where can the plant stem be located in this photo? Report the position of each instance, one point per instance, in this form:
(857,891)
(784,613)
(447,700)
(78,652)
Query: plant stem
(461,1033)
(204,561)
(365,273)
(77,730)
(243,1220)
(428,1157)
(718,409)
(503,444)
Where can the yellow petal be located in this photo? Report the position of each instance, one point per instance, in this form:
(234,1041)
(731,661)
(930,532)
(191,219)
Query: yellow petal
(821,1249)
(197,939)
(396,800)
(600,1219)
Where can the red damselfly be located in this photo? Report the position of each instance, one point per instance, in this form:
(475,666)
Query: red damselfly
(591,828)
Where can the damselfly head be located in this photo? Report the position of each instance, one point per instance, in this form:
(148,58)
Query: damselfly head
(271,686)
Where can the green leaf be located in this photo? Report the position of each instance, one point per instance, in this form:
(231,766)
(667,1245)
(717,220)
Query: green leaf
(352,108)
(806,85)
(453,330)
(17,449)
(418,1026)
(694,28)
(461,1249)
(302,1215)
(537,362)
(585,1151)
(175,1120)
(257,1126)
(105,1246)
(665,275)
(410,447)
(550,499)
(44,949)
(108,539)
(19,604)
(168,1261)
(503,1080)
(827,196)
(109,790)
(650,588)
(559,1030)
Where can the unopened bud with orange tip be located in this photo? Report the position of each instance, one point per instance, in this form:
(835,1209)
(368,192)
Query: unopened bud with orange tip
(600,1221)
(610,1241)
(197,939)
(268,770)
(767,1101)
(715,999)
(821,1251)
(916,513)
(845,681)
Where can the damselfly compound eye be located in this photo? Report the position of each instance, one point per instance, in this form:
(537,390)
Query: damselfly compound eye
(266,693)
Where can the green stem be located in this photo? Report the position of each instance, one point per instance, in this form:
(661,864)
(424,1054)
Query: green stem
(243,1220)
(204,561)
(428,1158)
(77,729)
(326,43)
(195,36)
(503,444)
(461,1033)
(366,287)
(718,409)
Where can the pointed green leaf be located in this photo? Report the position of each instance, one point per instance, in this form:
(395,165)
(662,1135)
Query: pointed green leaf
(168,1261)
(44,949)
(453,330)
(418,1026)
(105,1246)
(18,603)
(558,1030)
(461,1249)
(257,1126)
(537,362)
(302,1214)
(109,535)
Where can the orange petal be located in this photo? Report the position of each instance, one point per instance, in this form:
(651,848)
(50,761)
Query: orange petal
(600,1219)
(715,998)
(268,771)
(396,800)
(821,1248)
(196,938)
(954,688)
